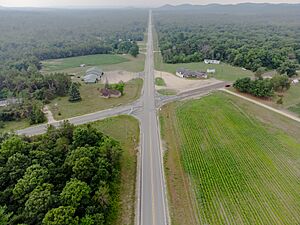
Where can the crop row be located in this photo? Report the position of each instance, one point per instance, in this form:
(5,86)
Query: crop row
(239,170)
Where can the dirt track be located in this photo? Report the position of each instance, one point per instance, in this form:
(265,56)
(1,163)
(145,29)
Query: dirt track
(114,77)
(182,84)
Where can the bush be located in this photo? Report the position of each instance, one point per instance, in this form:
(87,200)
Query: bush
(258,87)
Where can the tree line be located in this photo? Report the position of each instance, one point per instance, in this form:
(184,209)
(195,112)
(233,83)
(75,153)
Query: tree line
(253,41)
(263,88)
(66,176)
(31,90)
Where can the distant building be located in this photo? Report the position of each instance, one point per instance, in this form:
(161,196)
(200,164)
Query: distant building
(211,61)
(295,81)
(184,73)
(211,71)
(10,101)
(93,75)
(82,65)
(267,77)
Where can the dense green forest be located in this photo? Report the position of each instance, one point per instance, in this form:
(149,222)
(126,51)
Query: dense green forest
(66,176)
(28,35)
(255,41)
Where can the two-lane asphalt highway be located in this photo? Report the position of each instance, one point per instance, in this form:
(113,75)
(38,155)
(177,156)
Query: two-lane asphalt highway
(152,204)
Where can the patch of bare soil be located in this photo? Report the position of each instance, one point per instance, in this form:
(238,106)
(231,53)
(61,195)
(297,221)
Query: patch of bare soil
(182,84)
(114,77)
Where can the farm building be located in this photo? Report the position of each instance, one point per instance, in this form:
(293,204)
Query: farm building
(184,73)
(93,75)
(211,71)
(211,61)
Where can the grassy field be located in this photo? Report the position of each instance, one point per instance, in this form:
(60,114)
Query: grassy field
(14,125)
(105,62)
(124,129)
(92,102)
(295,109)
(291,100)
(167,92)
(159,81)
(230,162)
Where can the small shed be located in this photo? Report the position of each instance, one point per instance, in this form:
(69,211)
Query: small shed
(211,71)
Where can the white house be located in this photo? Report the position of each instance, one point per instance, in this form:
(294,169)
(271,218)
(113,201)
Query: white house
(211,61)
(211,71)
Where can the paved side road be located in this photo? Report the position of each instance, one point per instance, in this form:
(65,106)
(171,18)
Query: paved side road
(127,109)
(295,118)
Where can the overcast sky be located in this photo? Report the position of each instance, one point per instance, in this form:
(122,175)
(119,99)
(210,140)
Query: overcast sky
(116,3)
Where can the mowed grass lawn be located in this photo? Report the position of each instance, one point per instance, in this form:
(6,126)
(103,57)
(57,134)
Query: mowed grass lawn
(224,166)
(92,101)
(14,125)
(291,99)
(107,62)
(124,129)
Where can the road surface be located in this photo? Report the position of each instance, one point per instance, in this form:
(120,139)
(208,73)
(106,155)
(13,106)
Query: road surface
(121,110)
(152,204)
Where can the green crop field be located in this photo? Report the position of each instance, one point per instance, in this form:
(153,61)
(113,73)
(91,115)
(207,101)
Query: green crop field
(241,171)
(106,62)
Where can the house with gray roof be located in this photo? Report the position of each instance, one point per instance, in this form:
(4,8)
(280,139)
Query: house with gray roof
(185,73)
(93,75)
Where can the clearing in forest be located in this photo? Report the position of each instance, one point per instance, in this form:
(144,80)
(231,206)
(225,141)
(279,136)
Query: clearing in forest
(224,166)
(107,62)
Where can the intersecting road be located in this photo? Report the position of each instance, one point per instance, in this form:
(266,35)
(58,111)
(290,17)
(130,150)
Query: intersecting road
(151,200)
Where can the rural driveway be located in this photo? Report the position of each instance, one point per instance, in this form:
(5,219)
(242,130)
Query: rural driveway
(295,118)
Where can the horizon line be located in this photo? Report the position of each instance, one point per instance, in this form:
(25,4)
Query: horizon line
(140,7)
